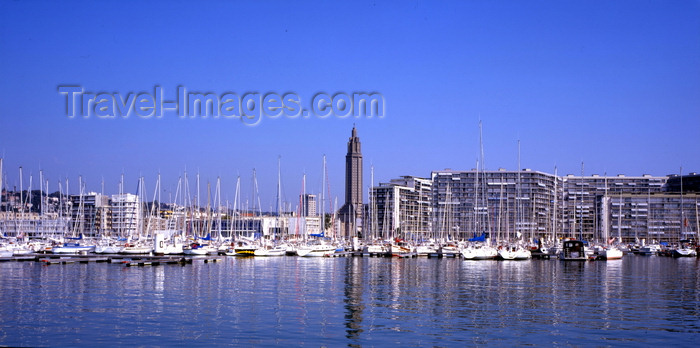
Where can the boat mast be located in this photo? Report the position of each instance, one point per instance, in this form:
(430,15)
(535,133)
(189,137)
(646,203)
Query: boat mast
(323,198)
(697,222)
(256,199)
(21,205)
(485,207)
(499,227)
(158,198)
(533,221)
(217,204)
(371,205)
(419,230)
(188,201)
(605,202)
(680,233)
(236,221)
(103,215)
(581,203)
(475,210)
(207,216)
(518,199)
(331,207)
(304,207)
(619,220)
(80,225)
(279,196)
(554,211)
(41,193)
(121,201)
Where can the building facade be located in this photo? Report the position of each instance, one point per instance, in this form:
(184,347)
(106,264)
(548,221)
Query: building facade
(504,205)
(127,215)
(585,198)
(308,205)
(647,218)
(529,205)
(401,208)
(90,215)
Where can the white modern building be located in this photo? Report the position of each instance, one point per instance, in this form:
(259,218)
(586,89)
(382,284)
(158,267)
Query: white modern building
(127,215)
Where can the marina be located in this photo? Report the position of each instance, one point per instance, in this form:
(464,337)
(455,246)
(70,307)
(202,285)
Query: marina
(350,173)
(364,301)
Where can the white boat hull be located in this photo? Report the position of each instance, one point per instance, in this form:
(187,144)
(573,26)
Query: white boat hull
(270,252)
(479,253)
(315,252)
(611,254)
(108,249)
(136,250)
(73,250)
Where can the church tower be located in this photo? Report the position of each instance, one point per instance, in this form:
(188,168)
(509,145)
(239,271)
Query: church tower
(352,210)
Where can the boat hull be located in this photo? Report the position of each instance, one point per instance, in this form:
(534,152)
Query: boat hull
(270,252)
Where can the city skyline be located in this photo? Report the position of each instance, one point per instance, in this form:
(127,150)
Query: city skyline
(573,82)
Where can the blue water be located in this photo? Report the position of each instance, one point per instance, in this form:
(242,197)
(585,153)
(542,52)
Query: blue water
(353,301)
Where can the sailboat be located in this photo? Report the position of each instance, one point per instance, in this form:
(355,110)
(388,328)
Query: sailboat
(514,252)
(271,249)
(316,248)
(684,248)
(75,247)
(611,251)
(479,251)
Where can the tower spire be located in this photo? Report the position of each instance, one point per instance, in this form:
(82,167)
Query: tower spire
(353,209)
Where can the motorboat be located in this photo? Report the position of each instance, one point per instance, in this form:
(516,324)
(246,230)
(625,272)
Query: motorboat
(243,248)
(573,250)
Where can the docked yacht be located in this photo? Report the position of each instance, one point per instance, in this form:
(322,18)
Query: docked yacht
(514,252)
(448,250)
(479,251)
(610,253)
(72,248)
(573,250)
(316,249)
(199,249)
(243,248)
(271,250)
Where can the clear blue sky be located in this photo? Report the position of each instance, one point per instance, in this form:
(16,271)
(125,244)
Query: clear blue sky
(615,84)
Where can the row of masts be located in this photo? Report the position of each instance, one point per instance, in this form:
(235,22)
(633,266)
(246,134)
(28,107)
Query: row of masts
(188,213)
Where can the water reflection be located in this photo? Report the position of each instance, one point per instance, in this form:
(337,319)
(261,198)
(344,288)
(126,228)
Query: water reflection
(353,301)
(353,298)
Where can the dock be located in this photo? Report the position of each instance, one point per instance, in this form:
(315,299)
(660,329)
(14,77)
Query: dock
(341,254)
(127,260)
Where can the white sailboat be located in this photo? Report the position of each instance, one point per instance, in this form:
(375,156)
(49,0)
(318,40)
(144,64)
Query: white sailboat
(271,250)
(611,253)
(76,247)
(316,248)
(479,251)
(427,248)
(514,252)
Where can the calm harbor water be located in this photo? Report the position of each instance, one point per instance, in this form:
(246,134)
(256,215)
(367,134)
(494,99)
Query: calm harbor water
(353,301)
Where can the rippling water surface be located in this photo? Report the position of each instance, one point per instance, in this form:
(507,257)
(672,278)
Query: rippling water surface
(353,301)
